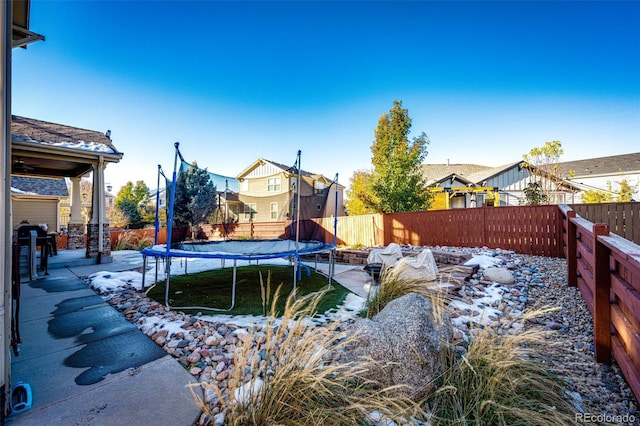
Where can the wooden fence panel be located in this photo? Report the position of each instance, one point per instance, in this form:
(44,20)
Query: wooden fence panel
(623,218)
(608,276)
(525,229)
(458,227)
(363,230)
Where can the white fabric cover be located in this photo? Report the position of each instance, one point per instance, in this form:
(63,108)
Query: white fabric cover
(388,256)
(421,267)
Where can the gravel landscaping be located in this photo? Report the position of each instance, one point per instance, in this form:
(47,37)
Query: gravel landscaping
(205,345)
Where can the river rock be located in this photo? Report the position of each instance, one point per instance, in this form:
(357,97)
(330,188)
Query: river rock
(499,275)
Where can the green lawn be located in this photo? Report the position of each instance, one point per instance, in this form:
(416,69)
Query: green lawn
(213,289)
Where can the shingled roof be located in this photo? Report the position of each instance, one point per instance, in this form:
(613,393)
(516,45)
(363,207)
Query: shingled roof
(25,129)
(436,172)
(39,186)
(612,165)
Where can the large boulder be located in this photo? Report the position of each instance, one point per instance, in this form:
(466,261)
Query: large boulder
(499,275)
(404,341)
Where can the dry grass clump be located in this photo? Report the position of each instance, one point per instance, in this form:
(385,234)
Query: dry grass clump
(132,241)
(498,382)
(285,375)
(289,373)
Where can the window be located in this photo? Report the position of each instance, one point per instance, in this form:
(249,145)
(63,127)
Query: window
(273,184)
(250,211)
(318,187)
(273,211)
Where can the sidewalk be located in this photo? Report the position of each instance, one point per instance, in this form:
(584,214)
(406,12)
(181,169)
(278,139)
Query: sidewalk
(87,365)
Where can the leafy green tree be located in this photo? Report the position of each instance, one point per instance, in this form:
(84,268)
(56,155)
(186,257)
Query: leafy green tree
(544,165)
(195,198)
(396,182)
(130,210)
(361,198)
(533,194)
(132,200)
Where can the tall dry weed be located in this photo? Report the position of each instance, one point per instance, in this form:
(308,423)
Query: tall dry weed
(288,374)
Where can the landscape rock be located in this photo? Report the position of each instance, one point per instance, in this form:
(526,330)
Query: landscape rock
(499,275)
(404,340)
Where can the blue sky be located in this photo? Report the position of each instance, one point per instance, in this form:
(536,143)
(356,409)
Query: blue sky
(237,81)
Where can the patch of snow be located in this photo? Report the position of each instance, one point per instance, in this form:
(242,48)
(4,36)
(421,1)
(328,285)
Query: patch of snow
(481,310)
(80,145)
(483,261)
(158,323)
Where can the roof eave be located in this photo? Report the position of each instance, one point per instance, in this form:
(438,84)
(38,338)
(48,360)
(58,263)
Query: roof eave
(65,151)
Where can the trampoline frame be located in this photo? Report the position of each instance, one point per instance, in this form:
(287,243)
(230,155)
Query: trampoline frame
(167,253)
(158,252)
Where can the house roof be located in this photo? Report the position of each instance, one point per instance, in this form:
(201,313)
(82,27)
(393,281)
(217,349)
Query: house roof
(285,168)
(612,165)
(40,148)
(25,129)
(39,186)
(438,172)
(483,175)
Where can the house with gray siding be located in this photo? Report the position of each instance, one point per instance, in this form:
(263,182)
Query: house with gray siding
(268,190)
(472,185)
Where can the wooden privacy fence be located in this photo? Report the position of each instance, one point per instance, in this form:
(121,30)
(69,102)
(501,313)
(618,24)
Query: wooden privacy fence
(623,218)
(606,269)
(532,230)
(535,230)
(138,236)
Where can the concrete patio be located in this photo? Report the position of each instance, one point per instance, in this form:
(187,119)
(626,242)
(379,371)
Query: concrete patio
(85,363)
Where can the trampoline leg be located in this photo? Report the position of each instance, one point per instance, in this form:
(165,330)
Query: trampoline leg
(144,270)
(166,290)
(233,289)
(295,276)
(332,262)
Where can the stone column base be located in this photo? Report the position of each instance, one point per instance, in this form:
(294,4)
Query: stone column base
(75,236)
(92,240)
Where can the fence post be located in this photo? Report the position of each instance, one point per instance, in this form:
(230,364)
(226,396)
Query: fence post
(602,306)
(572,250)
(483,212)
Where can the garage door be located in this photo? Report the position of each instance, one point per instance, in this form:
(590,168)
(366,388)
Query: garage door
(36,212)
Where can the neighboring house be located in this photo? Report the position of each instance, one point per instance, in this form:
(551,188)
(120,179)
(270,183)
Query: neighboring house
(452,189)
(471,185)
(267,192)
(597,173)
(37,201)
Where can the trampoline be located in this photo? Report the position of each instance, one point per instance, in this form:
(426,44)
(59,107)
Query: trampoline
(234,250)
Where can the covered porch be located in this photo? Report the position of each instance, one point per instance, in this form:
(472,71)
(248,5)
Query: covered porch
(45,150)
